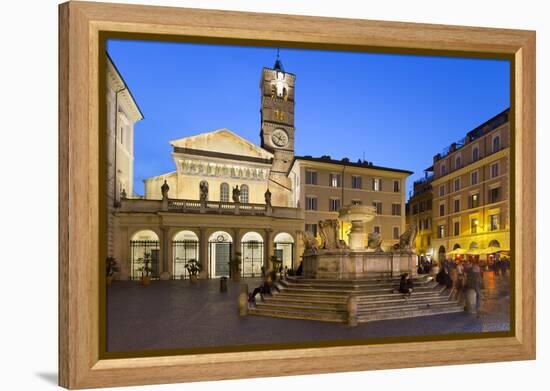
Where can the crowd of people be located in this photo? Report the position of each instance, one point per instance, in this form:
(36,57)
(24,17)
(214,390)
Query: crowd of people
(465,275)
(460,275)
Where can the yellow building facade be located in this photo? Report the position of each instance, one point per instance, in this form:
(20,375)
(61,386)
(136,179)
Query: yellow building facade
(419,213)
(471,191)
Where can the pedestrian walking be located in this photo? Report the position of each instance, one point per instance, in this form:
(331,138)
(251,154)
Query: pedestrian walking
(473,281)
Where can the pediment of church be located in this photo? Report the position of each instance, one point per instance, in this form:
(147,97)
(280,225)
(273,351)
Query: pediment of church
(223,141)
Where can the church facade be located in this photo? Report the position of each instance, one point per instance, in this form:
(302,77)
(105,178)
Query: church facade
(228,198)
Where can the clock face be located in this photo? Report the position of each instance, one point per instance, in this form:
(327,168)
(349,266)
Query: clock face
(279,138)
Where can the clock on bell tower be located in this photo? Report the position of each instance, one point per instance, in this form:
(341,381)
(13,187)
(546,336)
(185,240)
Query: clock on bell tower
(277,115)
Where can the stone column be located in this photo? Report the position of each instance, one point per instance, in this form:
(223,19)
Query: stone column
(269,248)
(236,247)
(165,274)
(298,249)
(203,252)
(123,254)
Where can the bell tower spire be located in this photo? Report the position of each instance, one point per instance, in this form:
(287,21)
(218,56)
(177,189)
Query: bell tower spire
(277,115)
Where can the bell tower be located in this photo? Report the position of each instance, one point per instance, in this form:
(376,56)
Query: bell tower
(277,116)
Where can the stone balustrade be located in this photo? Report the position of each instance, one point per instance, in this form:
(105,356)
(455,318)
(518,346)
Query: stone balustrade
(209,207)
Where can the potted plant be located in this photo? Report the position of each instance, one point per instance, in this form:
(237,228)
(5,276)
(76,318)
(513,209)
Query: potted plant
(145,269)
(112,267)
(235,267)
(193,268)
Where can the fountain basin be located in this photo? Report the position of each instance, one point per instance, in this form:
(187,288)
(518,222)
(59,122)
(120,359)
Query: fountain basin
(356,264)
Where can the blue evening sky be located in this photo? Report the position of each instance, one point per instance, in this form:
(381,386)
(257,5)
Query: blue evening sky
(395,110)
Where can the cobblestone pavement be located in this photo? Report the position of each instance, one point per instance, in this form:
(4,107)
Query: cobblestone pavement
(177,314)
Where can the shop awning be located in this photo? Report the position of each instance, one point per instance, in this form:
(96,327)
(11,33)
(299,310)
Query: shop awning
(458,251)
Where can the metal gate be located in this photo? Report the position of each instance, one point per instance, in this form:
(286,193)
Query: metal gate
(142,251)
(252,258)
(182,252)
(220,256)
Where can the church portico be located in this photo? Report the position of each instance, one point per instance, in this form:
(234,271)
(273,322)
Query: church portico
(174,238)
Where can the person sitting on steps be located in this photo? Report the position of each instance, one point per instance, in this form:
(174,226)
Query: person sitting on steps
(406,284)
(264,289)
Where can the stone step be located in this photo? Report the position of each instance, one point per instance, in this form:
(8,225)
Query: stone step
(347,283)
(358,292)
(292,314)
(381,277)
(352,283)
(435,291)
(304,307)
(386,303)
(349,288)
(405,307)
(312,300)
(410,313)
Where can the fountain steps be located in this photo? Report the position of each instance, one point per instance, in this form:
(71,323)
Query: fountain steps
(387,289)
(342,296)
(323,301)
(379,278)
(352,286)
(378,300)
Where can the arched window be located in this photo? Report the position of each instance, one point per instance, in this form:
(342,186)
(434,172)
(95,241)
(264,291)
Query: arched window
(443,170)
(494,243)
(475,154)
(244,194)
(458,162)
(224,192)
(496,143)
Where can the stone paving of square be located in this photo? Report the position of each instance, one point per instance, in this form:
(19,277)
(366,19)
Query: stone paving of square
(178,314)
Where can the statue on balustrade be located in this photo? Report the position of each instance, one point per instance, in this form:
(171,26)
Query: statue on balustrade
(164,189)
(236,194)
(328,230)
(267,197)
(204,191)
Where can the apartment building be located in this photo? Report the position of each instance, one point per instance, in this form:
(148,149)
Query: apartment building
(419,212)
(323,185)
(471,191)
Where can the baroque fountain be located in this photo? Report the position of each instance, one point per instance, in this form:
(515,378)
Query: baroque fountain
(363,256)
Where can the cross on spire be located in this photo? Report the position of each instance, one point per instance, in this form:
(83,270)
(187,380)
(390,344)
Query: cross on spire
(278,64)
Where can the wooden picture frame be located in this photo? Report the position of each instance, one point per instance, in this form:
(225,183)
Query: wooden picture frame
(80,273)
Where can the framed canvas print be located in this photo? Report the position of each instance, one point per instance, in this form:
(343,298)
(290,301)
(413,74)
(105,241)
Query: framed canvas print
(248,195)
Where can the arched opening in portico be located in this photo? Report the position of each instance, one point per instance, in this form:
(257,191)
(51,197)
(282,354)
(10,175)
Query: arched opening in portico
(144,253)
(185,247)
(252,250)
(219,254)
(284,248)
